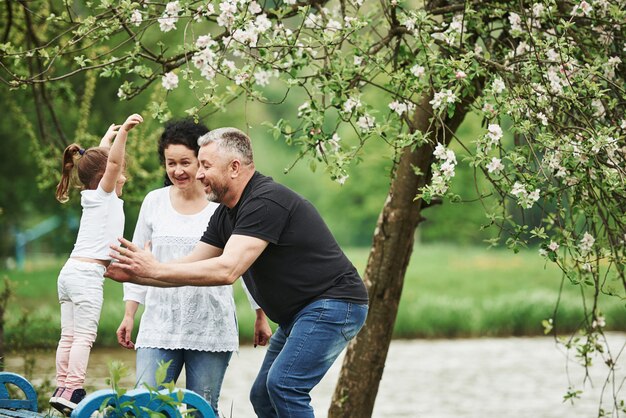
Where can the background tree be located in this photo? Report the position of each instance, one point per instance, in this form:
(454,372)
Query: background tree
(405,73)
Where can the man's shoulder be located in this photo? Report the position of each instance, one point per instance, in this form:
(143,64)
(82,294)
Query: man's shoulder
(266,187)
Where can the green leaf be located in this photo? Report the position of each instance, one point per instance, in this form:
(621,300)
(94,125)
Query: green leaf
(161,372)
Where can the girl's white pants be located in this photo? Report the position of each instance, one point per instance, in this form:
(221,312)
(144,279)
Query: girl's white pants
(80,295)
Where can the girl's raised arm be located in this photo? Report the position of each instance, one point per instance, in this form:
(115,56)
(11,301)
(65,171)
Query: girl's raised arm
(115,162)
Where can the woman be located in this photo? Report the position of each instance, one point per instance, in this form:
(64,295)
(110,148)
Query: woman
(191,326)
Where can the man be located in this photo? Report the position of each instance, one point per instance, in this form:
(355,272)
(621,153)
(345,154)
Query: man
(290,262)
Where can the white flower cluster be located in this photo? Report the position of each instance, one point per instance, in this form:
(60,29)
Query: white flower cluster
(351,104)
(442,98)
(586,243)
(136,17)
(553,160)
(452,33)
(525,198)
(205,59)
(167,21)
(495,166)
(582,9)
(402,107)
(417,70)
(262,77)
(169,81)
(332,145)
(443,171)
(366,123)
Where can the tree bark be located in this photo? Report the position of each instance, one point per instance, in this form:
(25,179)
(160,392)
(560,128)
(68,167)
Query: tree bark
(389,257)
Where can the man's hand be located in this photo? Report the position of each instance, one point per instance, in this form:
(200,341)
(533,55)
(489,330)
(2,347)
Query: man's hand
(115,272)
(133,260)
(124,332)
(262,330)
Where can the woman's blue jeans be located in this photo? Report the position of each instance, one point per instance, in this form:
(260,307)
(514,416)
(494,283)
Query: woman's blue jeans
(300,355)
(204,370)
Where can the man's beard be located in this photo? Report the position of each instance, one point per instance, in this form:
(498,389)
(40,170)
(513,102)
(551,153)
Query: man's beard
(217,194)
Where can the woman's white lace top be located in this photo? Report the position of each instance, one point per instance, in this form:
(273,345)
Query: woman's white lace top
(193,318)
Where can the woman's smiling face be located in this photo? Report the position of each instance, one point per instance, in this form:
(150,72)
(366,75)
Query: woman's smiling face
(181,165)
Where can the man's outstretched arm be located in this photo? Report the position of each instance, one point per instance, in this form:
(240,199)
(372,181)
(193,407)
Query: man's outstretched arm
(206,265)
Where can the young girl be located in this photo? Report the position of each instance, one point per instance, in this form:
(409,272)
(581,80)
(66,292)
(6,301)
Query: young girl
(101,172)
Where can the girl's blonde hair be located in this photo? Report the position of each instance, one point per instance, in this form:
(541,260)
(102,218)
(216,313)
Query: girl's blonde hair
(90,165)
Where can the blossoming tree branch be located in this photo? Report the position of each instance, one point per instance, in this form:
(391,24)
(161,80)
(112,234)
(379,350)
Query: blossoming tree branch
(549,73)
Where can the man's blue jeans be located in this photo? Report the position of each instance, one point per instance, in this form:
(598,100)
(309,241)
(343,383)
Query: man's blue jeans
(300,355)
(204,370)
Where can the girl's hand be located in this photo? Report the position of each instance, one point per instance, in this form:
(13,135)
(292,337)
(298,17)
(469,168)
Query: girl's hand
(132,121)
(109,135)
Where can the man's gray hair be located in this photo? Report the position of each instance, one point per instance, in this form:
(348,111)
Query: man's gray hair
(230,140)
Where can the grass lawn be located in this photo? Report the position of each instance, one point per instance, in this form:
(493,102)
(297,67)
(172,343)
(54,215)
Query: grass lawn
(450,291)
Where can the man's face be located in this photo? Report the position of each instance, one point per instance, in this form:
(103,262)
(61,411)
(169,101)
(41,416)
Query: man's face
(213,172)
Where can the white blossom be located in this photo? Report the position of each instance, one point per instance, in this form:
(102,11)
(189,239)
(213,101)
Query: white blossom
(516,22)
(599,322)
(583,8)
(172,8)
(586,243)
(599,109)
(542,118)
(241,78)
(351,104)
(366,122)
(121,94)
(262,77)
(169,81)
(494,133)
(342,179)
(522,48)
(538,10)
(205,41)
(401,107)
(304,108)
(553,246)
(495,166)
(136,18)
(417,70)
(498,86)
(440,151)
(254,8)
(460,74)
(442,98)
(358,60)
(167,23)
(518,189)
(611,66)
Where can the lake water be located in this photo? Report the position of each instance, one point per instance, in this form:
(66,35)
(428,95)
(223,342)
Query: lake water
(463,378)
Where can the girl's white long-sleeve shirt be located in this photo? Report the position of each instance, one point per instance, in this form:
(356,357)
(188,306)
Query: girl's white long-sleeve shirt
(193,318)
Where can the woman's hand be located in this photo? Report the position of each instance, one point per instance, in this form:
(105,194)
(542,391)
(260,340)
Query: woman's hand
(124,332)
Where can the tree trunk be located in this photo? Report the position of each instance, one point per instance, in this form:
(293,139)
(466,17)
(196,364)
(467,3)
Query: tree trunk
(389,257)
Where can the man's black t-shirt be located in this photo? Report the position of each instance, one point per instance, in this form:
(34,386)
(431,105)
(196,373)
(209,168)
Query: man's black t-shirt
(302,261)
